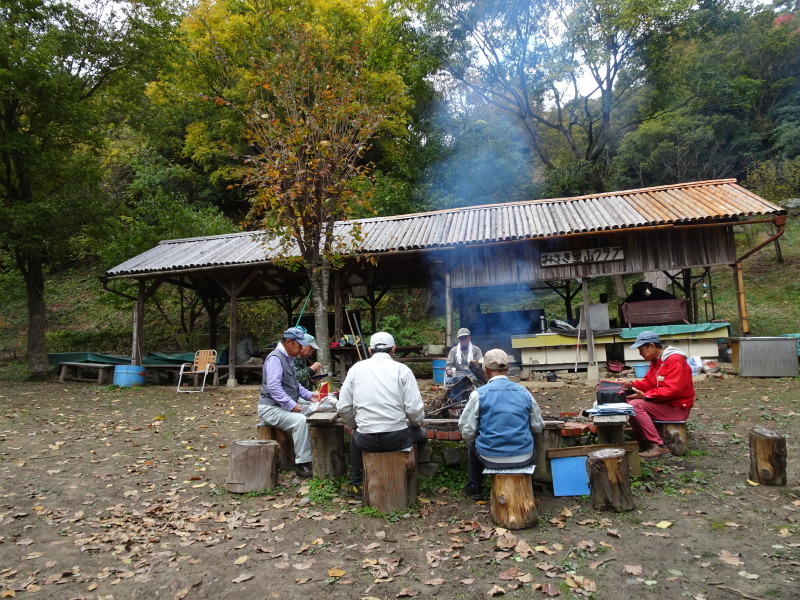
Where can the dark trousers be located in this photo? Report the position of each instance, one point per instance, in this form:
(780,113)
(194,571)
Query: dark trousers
(477,464)
(389,441)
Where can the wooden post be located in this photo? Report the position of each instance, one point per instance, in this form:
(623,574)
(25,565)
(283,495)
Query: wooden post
(327,451)
(252,466)
(390,480)
(609,480)
(512,503)
(285,442)
(611,429)
(767,456)
(675,435)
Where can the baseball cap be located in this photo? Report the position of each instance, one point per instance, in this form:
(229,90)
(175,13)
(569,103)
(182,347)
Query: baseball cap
(381,339)
(463,332)
(312,341)
(495,360)
(296,334)
(646,337)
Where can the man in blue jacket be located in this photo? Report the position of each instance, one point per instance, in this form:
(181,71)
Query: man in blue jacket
(498,424)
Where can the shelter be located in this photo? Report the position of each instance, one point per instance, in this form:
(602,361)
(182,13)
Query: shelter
(457,251)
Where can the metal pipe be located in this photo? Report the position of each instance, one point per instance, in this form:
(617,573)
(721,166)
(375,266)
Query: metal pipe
(780,223)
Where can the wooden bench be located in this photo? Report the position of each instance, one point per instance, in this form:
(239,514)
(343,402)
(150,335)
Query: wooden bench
(675,435)
(610,428)
(72,370)
(328,458)
(221,374)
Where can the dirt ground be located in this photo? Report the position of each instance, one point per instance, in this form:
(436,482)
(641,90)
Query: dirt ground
(118,493)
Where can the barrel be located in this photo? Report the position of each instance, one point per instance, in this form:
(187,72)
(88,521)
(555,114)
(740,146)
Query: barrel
(438,371)
(640,369)
(128,375)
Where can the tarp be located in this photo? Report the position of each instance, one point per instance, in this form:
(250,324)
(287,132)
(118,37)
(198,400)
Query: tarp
(151,358)
(796,336)
(88,357)
(632,332)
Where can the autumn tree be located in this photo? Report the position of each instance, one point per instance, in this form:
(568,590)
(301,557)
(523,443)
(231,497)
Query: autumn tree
(311,119)
(567,70)
(64,69)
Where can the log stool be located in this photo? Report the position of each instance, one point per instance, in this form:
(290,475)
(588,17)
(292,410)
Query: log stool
(512,502)
(252,466)
(285,442)
(609,480)
(767,456)
(675,436)
(390,480)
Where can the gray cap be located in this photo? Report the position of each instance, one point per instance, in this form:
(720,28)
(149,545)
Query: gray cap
(646,337)
(312,341)
(463,332)
(296,334)
(496,360)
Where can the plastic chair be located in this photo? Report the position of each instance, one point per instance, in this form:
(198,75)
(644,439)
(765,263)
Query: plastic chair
(205,363)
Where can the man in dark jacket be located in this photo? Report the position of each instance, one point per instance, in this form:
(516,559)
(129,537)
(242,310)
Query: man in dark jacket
(498,424)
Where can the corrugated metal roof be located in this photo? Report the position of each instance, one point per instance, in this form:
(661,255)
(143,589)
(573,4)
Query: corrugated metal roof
(704,201)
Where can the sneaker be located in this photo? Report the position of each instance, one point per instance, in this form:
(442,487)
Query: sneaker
(304,471)
(474,491)
(655,452)
(351,490)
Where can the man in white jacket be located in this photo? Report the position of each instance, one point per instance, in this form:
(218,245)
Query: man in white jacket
(381,400)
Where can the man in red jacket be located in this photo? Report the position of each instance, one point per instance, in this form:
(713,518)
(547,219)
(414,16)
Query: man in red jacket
(665,394)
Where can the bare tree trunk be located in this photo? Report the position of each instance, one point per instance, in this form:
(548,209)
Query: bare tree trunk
(320,282)
(32,268)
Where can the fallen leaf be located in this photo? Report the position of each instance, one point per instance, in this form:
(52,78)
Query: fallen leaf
(753,482)
(612,533)
(437,581)
(336,572)
(664,524)
(565,512)
(747,575)
(730,559)
(551,589)
(243,577)
(496,591)
(241,560)
(633,569)
(784,532)
(509,574)
(405,593)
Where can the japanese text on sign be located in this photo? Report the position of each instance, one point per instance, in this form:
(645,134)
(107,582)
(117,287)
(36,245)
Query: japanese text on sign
(587,255)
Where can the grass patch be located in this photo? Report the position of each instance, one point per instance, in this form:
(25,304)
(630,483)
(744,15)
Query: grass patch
(448,480)
(323,491)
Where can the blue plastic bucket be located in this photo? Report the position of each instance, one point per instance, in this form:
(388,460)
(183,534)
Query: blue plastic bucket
(129,375)
(438,371)
(640,369)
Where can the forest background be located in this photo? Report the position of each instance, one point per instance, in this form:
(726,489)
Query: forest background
(126,123)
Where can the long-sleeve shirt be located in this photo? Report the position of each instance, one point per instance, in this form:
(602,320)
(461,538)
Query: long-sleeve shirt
(245,350)
(669,379)
(457,358)
(273,375)
(502,431)
(380,395)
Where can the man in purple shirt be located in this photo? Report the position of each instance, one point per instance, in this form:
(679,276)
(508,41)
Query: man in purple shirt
(283,402)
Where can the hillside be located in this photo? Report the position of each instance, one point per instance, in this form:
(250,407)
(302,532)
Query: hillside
(83,317)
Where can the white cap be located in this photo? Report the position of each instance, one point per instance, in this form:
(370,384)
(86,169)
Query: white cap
(381,339)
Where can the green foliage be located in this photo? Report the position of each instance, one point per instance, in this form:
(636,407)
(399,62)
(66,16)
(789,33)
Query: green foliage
(448,480)
(323,491)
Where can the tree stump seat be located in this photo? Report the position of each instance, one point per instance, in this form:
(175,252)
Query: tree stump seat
(285,442)
(675,435)
(609,480)
(390,480)
(252,466)
(512,502)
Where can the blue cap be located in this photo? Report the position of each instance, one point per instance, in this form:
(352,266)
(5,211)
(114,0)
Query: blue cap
(646,337)
(296,334)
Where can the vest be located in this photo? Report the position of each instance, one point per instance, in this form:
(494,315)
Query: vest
(504,420)
(288,380)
